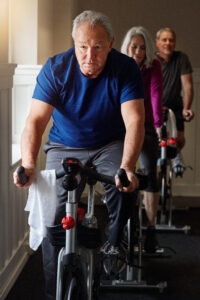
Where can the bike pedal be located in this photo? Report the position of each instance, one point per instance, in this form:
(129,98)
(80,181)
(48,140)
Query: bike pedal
(158,253)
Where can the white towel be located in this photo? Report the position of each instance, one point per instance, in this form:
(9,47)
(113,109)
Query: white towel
(41,204)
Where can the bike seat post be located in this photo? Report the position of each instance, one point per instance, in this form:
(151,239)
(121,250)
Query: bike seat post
(71,181)
(71,211)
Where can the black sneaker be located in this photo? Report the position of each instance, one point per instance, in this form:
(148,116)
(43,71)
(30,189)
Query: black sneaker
(151,243)
(114,260)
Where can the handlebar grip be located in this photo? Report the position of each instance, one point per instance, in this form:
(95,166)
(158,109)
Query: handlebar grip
(142,178)
(185,116)
(123,177)
(22,175)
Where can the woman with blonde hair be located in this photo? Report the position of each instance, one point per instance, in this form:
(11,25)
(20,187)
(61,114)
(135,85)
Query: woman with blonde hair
(138,45)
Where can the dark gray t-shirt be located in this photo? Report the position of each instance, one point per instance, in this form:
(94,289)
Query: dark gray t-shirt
(172,71)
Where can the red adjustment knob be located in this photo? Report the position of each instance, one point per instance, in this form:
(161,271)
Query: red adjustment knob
(68,223)
(163,144)
(172,141)
(81,213)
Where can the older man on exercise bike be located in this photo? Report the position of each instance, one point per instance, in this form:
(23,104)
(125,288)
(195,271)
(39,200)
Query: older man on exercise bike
(95,96)
(177,73)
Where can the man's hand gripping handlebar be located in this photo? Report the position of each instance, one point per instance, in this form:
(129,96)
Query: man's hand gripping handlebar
(23,177)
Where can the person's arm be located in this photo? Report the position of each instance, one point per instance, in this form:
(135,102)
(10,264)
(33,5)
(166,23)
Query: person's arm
(133,116)
(156,94)
(187,85)
(36,123)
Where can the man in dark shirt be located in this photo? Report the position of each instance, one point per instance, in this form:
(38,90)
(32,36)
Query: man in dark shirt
(177,72)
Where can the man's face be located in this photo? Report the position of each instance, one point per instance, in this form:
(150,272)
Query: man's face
(91,47)
(165,44)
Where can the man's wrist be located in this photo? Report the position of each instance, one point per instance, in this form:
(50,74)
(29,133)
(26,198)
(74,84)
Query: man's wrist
(29,165)
(128,168)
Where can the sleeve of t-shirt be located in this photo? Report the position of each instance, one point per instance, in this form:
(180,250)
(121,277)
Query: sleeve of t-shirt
(131,82)
(45,89)
(186,67)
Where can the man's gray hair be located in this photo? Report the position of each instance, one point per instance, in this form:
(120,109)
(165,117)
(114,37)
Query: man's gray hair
(139,30)
(93,18)
(165,29)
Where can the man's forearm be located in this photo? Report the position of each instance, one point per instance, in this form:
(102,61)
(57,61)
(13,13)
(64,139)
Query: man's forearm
(187,100)
(132,145)
(187,85)
(31,138)
(30,145)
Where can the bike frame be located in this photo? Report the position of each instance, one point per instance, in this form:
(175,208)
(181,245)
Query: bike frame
(70,244)
(169,135)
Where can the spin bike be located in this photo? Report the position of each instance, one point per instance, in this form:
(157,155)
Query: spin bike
(79,273)
(77,277)
(79,270)
(168,151)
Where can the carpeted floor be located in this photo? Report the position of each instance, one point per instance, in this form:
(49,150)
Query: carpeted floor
(181,269)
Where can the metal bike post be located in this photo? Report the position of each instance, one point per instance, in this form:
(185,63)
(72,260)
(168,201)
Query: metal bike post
(163,182)
(129,268)
(90,221)
(59,275)
(140,239)
(170,197)
(90,274)
(71,210)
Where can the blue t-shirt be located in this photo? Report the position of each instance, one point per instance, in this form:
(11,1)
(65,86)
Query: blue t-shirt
(87,112)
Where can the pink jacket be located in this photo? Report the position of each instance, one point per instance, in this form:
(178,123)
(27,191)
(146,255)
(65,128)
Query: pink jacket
(153,87)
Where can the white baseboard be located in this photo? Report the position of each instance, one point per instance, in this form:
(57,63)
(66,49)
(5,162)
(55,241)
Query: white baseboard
(189,202)
(186,190)
(13,267)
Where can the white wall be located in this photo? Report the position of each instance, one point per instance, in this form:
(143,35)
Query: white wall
(19,44)
(16,86)
(13,220)
(4,7)
(46,11)
(189,185)
(182,15)
(23,18)
(63,15)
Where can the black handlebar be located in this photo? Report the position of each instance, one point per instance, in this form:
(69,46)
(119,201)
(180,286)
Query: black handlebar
(23,178)
(72,167)
(123,177)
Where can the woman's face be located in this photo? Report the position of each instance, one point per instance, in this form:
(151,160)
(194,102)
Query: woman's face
(137,49)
